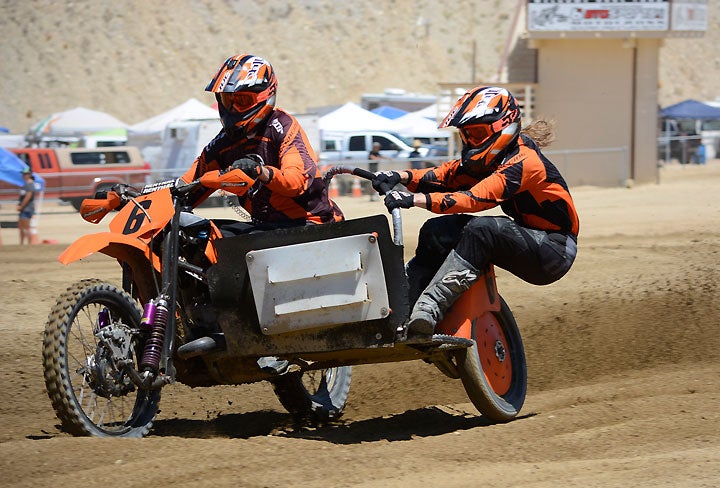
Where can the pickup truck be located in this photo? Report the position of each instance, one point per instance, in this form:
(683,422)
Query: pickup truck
(336,146)
(73,174)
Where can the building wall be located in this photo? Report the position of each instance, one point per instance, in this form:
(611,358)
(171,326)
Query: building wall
(602,94)
(646,106)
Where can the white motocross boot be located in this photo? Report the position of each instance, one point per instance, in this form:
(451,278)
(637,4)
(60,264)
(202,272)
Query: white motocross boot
(454,277)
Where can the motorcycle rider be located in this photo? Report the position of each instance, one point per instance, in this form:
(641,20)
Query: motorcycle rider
(502,165)
(269,145)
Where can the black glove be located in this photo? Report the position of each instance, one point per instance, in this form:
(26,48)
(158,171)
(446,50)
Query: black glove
(248,166)
(385,181)
(399,199)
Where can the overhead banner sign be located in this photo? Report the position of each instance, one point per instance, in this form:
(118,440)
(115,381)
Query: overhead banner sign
(595,16)
(689,16)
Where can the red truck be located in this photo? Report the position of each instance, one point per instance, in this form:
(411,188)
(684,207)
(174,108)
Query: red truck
(73,174)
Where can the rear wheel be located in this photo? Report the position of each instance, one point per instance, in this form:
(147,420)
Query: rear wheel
(319,395)
(493,370)
(92,326)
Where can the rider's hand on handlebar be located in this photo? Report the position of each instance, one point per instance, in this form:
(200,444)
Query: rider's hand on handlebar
(248,166)
(385,181)
(399,199)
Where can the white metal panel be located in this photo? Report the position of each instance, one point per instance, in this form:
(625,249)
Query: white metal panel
(316,284)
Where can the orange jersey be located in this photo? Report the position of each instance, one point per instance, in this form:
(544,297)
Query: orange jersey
(527,186)
(295,190)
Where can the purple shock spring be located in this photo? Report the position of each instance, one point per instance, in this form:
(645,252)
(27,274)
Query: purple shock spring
(154,344)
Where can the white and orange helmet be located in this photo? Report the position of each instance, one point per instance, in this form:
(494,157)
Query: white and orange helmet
(488,118)
(245,87)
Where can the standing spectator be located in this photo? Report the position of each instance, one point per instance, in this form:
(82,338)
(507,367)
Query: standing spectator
(415,154)
(26,206)
(374,156)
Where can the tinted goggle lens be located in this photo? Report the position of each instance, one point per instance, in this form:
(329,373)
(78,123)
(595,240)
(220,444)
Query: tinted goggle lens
(475,135)
(239,101)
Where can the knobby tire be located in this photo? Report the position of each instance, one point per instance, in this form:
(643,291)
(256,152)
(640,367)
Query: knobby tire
(69,342)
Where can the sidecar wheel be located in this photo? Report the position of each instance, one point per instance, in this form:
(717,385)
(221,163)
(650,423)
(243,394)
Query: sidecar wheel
(493,371)
(89,395)
(319,395)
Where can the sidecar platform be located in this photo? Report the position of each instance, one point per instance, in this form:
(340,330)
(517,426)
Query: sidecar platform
(234,305)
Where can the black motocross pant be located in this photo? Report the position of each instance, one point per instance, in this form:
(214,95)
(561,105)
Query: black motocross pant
(536,256)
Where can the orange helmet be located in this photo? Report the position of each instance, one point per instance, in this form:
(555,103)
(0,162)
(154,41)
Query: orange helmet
(245,88)
(489,121)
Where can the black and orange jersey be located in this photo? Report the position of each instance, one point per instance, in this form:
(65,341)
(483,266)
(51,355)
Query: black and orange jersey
(295,190)
(527,186)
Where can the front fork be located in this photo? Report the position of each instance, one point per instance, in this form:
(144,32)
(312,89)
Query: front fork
(159,321)
(169,286)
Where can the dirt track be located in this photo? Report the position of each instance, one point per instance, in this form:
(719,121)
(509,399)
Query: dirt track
(623,361)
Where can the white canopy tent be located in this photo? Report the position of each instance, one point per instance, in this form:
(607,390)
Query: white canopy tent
(188,110)
(430,112)
(418,127)
(352,117)
(148,134)
(73,124)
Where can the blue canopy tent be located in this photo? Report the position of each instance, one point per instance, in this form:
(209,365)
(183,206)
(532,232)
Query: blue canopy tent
(388,112)
(683,126)
(11,168)
(691,109)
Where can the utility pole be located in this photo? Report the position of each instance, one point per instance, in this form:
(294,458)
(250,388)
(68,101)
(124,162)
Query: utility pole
(472,73)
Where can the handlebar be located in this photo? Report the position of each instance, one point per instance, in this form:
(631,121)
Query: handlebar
(369,175)
(124,191)
(182,188)
(177,187)
(363,173)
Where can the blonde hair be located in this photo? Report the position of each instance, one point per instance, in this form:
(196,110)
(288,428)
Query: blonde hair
(541,131)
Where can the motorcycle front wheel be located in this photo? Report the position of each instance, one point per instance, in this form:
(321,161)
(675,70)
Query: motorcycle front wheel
(89,326)
(493,371)
(317,395)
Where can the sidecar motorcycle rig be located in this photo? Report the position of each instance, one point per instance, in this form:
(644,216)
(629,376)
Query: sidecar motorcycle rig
(204,310)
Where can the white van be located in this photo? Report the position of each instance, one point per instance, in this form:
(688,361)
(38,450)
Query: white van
(336,146)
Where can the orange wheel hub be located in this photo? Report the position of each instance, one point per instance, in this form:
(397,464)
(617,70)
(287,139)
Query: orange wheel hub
(494,355)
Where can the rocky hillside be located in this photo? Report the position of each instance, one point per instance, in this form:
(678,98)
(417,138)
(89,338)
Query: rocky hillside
(135,59)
